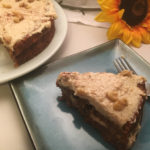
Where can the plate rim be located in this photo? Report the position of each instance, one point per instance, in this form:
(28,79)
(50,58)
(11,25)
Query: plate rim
(24,68)
(116,42)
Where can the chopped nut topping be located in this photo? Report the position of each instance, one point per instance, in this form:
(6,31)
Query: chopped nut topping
(16,13)
(30,1)
(17,17)
(24,5)
(120,105)
(112,96)
(126,73)
(7,39)
(6,6)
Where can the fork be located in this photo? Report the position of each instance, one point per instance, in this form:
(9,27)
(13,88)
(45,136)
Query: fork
(122,64)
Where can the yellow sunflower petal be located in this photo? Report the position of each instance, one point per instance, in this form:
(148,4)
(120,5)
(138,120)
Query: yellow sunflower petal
(116,16)
(120,13)
(115,31)
(136,38)
(146,22)
(101,2)
(103,5)
(107,4)
(145,35)
(127,35)
(103,17)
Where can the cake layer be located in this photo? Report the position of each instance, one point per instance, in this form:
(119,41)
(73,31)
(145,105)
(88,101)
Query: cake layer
(28,41)
(115,96)
(112,103)
(33,46)
(121,138)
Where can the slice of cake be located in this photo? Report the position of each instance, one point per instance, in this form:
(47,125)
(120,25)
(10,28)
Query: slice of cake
(112,103)
(26,27)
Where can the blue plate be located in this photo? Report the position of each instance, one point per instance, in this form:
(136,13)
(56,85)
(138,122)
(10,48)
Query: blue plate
(53,125)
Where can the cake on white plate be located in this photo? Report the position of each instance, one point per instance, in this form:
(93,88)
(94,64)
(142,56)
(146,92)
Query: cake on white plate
(26,28)
(112,103)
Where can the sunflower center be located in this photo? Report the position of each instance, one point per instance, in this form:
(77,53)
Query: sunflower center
(135,11)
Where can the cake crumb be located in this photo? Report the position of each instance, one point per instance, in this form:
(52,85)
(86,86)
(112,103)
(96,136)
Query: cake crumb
(112,96)
(126,73)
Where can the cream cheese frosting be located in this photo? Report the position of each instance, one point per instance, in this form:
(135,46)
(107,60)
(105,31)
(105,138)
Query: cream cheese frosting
(23,18)
(117,97)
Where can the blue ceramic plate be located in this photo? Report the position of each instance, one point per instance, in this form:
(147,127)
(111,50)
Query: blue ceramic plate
(54,126)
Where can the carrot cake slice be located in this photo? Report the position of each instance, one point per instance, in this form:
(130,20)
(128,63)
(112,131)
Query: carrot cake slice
(26,27)
(112,103)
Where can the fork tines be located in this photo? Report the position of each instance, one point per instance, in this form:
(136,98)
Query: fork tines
(122,64)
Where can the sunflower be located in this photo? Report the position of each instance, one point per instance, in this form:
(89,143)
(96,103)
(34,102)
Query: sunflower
(129,19)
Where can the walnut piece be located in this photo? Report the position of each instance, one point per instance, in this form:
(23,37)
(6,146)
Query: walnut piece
(30,1)
(24,5)
(112,96)
(16,13)
(120,104)
(126,73)
(8,6)
(17,17)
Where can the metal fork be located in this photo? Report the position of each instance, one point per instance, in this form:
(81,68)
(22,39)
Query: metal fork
(122,64)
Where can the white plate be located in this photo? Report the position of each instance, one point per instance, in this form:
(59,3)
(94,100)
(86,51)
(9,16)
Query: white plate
(9,72)
(80,4)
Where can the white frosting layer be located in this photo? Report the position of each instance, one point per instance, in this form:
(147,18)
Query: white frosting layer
(35,16)
(96,86)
